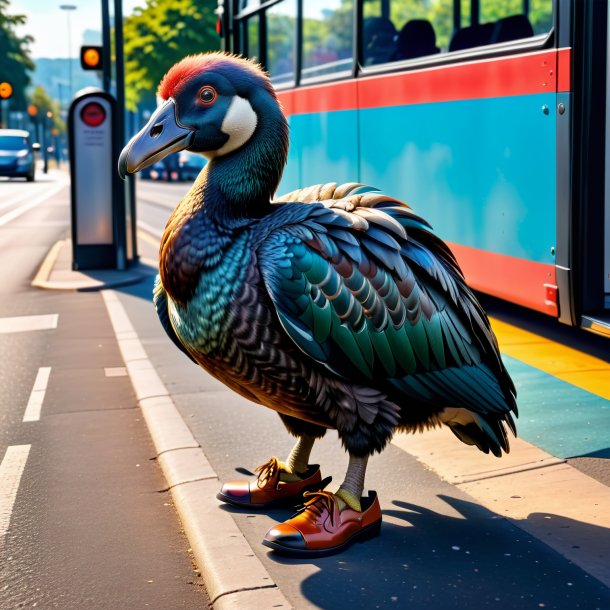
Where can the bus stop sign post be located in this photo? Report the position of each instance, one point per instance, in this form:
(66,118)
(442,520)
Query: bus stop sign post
(98,202)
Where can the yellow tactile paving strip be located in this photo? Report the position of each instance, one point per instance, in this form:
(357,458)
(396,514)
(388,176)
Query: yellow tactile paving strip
(565,363)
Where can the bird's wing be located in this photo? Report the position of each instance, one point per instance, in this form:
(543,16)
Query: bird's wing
(364,287)
(161,305)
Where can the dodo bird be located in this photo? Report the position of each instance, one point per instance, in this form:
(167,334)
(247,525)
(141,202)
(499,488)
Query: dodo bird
(335,306)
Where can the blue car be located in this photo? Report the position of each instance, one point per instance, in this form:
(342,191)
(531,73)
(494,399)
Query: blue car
(17,154)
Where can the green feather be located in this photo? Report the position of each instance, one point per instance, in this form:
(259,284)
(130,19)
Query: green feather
(345,340)
(322,321)
(383,350)
(401,348)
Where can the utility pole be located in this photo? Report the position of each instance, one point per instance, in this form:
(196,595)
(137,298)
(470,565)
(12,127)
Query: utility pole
(69,8)
(126,207)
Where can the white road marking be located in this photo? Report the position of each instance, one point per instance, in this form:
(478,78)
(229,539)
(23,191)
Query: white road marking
(16,200)
(21,324)
(32,203)
(150,229)
(32,411)
(11,469)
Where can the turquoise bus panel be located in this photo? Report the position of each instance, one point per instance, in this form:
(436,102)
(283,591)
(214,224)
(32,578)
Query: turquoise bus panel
(323,148)
(482,172)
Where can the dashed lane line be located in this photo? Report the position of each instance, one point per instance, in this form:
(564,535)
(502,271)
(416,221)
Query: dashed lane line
(11,469)
(19,324)
(148,228)
(34,406)
(32,203)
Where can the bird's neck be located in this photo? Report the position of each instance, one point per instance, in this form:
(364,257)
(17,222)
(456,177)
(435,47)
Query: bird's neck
(241,184)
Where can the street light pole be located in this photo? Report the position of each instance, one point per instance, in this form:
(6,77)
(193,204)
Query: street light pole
(69,8)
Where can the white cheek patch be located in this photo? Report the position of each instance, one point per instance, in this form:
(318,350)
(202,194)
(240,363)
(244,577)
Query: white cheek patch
(239,123)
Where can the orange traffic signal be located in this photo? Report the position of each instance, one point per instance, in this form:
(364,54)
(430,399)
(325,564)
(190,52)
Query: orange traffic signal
(6,90)
(91,58)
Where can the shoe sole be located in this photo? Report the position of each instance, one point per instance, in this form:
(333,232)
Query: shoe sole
(371,531)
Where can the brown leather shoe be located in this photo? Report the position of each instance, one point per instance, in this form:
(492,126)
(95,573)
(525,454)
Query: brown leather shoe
(321,529)
(267,490)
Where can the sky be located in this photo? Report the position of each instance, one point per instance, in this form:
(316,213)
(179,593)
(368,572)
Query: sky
(48,24)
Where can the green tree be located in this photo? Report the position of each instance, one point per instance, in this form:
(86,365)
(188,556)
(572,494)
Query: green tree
(15,61)
(44,104)
(160,34)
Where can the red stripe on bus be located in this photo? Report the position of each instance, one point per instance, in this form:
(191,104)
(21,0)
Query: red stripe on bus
(520,281)
(564,70)
(515,75)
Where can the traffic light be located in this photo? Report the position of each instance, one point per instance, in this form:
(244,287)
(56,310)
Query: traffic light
(6,90)
(91,57)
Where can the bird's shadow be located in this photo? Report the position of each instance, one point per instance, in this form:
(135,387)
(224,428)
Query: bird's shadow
(425,559)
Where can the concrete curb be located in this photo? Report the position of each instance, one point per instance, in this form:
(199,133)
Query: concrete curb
(233,575)
(56,273)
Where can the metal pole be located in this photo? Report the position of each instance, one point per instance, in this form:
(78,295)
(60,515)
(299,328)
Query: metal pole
(128,216)
(106,51)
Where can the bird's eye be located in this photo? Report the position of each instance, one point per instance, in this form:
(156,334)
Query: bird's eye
(208,95)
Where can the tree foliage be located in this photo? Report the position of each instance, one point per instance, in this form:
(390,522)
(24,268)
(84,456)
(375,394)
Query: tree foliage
(15,61)
(44,103)
(160,34)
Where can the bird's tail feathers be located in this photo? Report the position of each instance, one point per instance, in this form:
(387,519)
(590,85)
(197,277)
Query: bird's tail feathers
(485,432)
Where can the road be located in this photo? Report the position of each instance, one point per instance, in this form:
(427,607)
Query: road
(82,521)
(439,548)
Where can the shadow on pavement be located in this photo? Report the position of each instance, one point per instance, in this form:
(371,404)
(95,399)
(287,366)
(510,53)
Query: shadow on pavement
(424,559)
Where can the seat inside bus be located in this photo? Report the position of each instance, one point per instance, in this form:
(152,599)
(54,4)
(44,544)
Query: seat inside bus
(417,38)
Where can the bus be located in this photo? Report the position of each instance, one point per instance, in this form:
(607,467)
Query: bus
(488,117)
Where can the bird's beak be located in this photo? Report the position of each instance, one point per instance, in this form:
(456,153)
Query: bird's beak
(161,136)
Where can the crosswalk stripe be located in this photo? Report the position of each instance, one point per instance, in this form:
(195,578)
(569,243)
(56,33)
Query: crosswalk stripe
(20,324)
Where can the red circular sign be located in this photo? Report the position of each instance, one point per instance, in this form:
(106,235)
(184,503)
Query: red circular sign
(93,114)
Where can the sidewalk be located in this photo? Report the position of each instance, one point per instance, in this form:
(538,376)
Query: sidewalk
(540,494)
(56,273)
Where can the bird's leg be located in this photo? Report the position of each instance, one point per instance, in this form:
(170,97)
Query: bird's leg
(350,491)
(298,460)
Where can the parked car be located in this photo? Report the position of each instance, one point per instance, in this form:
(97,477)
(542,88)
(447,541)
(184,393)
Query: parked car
(157,171)
(17,154)
(189,165)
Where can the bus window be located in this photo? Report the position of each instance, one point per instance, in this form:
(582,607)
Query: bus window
(281,24)
(509,21)
(327,38)
(498,22)
(394,31)
(250,37)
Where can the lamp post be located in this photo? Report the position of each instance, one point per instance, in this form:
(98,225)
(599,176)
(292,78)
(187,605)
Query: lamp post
(69,8)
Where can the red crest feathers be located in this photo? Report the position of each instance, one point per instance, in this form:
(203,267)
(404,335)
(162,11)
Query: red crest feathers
(179,74)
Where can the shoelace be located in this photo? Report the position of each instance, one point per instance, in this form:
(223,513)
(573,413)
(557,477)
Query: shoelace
(318,501)
(267,471)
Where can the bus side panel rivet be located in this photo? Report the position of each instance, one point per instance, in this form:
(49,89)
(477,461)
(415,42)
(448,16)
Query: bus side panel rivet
(561,108)
(545,109)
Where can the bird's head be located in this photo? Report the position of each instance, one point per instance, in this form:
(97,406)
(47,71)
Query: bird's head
(214,103)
